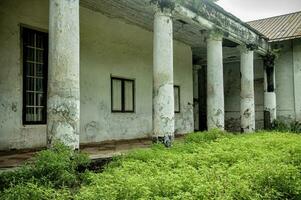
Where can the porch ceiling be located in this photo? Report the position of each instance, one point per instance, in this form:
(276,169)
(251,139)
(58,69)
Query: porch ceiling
(140,13)
(190,21)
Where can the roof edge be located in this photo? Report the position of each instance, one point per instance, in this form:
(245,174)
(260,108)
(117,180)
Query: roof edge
(228,14)
(284,39)
(267,18)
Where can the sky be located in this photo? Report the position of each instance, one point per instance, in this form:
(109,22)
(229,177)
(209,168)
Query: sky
(248,10)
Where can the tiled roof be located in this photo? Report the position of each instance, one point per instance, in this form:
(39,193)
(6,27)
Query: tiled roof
(284,27)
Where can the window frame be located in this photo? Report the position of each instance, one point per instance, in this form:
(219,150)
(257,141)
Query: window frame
(23,29)
(179,98)
(123,80)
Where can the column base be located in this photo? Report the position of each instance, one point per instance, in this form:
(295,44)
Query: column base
(270,114)
(166,140)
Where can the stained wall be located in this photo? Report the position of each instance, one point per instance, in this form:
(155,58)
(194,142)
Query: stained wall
(108,47)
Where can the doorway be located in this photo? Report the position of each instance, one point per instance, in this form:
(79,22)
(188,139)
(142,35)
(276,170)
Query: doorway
(200,98)
(202,85)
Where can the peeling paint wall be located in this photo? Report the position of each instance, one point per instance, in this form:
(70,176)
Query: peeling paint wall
(232,95)
(288,83)
(288,80)
(108,47)
(297,76)
(184,122)
(106,52)
(13,135)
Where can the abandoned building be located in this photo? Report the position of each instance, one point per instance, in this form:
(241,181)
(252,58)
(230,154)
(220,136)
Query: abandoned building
(88,71)
(284,33)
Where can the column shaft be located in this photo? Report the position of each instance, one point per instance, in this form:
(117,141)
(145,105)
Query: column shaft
(247,102)
(215,84)
(269,96)
(163,88)
(270,105)
(63,86)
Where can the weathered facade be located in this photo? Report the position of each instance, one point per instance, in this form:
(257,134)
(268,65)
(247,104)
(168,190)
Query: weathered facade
(288,80)
(278,95)
(284,33)
(233,81)
(115,70)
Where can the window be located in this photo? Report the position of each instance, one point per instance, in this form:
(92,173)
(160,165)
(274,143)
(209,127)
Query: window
(35,58)
(122,95)
(177,99)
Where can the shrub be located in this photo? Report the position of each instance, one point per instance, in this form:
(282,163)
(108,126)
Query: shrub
(33,191)
(210,136)
(281,126)
(295,127)
(56,167)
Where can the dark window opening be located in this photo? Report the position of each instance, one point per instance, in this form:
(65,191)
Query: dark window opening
(35,65)
(177,99)
(122,95)
(270,79)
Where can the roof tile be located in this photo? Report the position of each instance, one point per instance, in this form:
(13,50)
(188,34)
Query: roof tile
(279,28)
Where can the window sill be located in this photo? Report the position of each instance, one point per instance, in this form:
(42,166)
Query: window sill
(31,126)
(117,112)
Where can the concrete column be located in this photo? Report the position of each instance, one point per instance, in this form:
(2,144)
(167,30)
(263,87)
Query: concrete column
(63,83)
(270,105)
(247,102)
(215,83)
(270,97)
(163,86)
(270,113)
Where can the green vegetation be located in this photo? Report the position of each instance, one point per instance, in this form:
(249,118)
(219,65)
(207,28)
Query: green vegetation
(211,165)
(53,174)
(281,126)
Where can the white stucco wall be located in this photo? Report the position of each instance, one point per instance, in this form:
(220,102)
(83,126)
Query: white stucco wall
(13,135)
(288,80)
(108,47)
(285,82)
(183,77)
(297,77)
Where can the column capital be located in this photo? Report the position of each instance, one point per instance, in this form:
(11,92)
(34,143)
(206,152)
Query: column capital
(164,7)
(215,34)
(252,47)
(245,48)
(269,60)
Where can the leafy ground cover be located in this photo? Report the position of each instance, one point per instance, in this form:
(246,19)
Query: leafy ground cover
(211,165)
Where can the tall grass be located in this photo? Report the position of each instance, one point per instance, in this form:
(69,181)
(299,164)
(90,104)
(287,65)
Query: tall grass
(210,165)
